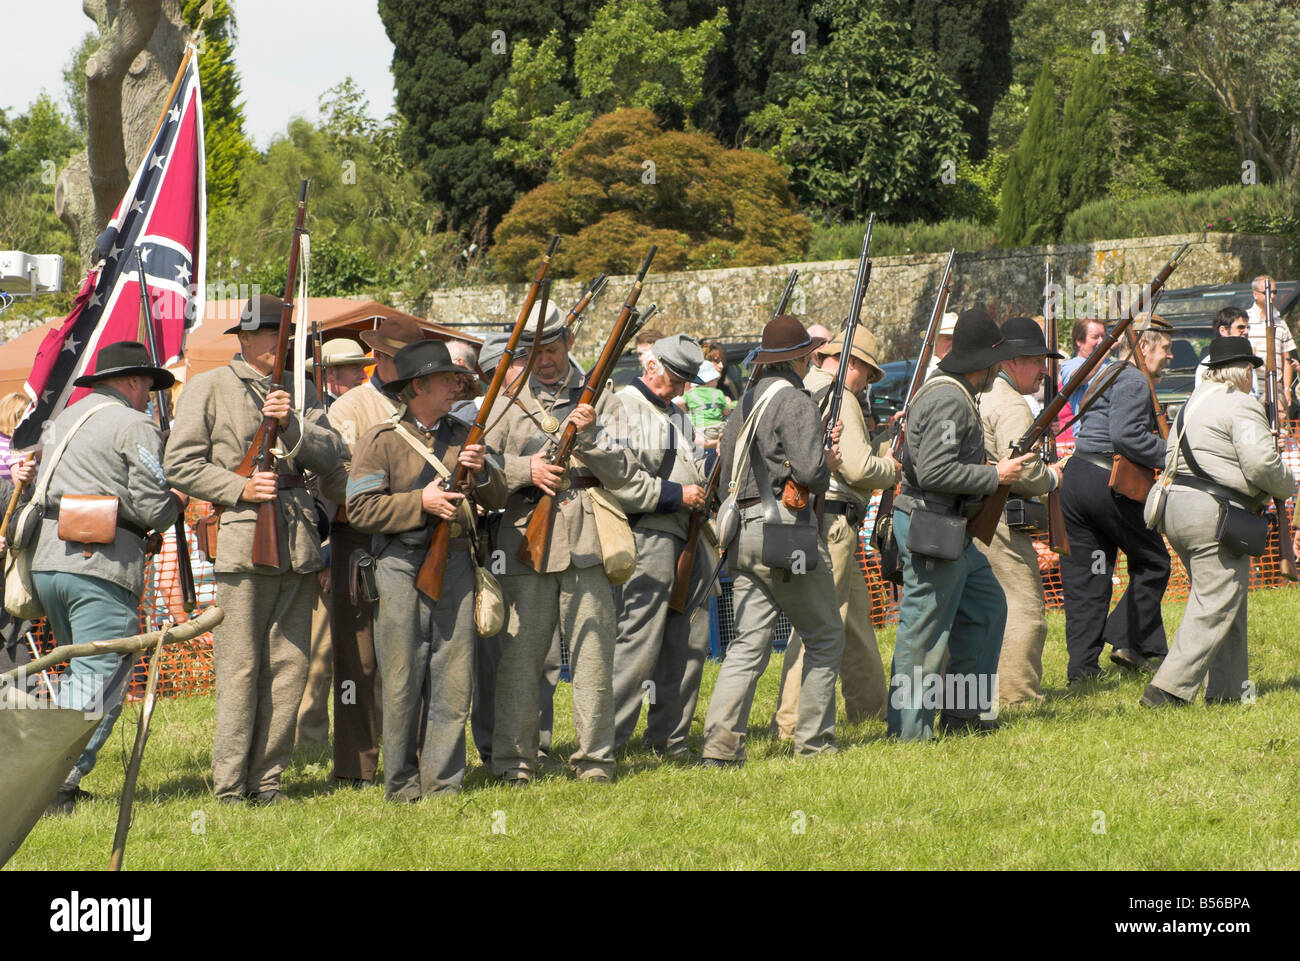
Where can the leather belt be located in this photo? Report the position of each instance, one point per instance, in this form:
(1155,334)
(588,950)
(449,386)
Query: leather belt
(287,481)
(748,501)
(1217,491)
(945,500)
(583,483)
(1105,461)
(126,525)
(839,507)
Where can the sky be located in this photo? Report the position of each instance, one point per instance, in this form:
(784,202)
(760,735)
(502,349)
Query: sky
(289,52)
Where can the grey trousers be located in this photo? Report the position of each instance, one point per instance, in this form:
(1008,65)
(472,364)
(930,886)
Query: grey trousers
(260,654)
(862,674)
(426,661)
(810,603)
(577,600)
(1210,646)
(659,654)
(482,718)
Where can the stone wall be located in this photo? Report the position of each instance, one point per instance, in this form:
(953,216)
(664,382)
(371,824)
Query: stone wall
(738,301)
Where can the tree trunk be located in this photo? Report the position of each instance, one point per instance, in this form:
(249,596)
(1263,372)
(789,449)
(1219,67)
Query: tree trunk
(141,45)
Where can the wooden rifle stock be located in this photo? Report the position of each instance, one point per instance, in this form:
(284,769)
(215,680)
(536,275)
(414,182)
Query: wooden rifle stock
(537,536)
(266,535)
(883,529)
(680,594)
(983,525)
(433,569)
(1272,407)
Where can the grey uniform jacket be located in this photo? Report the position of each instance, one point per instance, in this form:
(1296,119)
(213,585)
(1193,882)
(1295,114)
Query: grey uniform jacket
(661,439)
(516,437)
(117,452)
(1122,421)
(1229,437)
(788,438)
(945,443)
(218,415)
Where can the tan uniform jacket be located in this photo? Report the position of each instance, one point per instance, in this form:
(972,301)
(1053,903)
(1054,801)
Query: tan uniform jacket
(388,476)
(861,472)
(218,415)
(358,410)
(517,438)
(1006,416)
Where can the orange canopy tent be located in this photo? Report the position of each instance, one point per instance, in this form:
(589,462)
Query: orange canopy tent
(209,347)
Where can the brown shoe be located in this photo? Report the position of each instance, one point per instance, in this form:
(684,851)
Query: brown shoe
(1158,697)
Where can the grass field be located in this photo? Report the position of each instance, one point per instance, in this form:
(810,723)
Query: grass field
(1089,780)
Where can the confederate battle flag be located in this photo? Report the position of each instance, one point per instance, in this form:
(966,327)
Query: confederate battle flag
(164,214)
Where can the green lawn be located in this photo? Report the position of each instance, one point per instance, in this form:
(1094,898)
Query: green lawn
(1204,788)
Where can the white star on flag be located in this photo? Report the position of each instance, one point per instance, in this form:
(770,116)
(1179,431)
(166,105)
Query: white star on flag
(95,301)
(183,273)
(156,161)
(71,345)
(174,114)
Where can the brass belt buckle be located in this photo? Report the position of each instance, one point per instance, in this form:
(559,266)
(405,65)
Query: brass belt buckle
(564,484)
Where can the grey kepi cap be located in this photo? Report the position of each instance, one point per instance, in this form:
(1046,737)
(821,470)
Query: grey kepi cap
(494,347)
(681,355)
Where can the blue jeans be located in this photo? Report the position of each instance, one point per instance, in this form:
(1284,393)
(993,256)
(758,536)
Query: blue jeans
(949,607)
(81,609)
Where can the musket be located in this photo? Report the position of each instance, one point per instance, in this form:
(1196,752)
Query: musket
(883,530)
(1057,539)
(983,525)
(317,371)
(429,578)
(836,397)
(266,534)
(1286,551)
(537,536)
(572,320)
(184,570)
(686,559)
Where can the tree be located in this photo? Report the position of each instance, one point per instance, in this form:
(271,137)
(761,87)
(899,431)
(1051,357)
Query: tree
(535,114)
(629,57)
(870,120)
(124,95)
(1246,57)
(1031,211)
(74,79)
(1083,158)
(704,205)
(972,41)
(765,44)
(226,145)
(449,64)
(38,142)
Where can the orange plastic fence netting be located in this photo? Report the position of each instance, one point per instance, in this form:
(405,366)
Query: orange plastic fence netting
(1265,571)
(187,668)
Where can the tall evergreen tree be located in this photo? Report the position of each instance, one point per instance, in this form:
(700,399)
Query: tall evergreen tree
(1031,211)
(224,141)
(972,40)
(450,62)
(1082,166)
